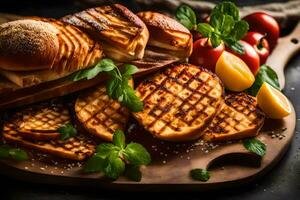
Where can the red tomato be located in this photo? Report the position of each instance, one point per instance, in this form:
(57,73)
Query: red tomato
(205,55)
(264,24)
(250,57)
(260,44)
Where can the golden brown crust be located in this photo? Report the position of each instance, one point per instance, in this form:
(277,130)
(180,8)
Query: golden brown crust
(180,102)
(39,43)
(123,35)
(27,45)
(167,34)
(34,135)
(99,114)
(76,49)
(78,147)
(239,118)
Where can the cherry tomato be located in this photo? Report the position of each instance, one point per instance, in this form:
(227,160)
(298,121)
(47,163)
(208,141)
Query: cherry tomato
(260,44)
(250,57)
(264,24)
(205,55)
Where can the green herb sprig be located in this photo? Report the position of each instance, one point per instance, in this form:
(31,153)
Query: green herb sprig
(255,146)
(117,158)
(200,174)
(67,131)
(265,74)
(14,153)
(224,25)
(117,86)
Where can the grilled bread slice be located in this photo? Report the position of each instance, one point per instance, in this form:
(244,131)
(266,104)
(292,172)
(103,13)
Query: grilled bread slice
(43,122)
(46,44)
(100,114)
(167,35)
(180,102)
(123,35)
(239,118)
(78,148)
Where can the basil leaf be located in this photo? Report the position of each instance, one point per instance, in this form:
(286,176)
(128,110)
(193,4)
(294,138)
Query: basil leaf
(18,154)
(94,164)
(240,30)
(234,45)
(115,166)
(255,146)
(133,173)
(67,131)
(186,16)
(200,174)
(4,151)
(103,150)
(215,40)
(131,101)
(103,65)
(265,74)
(227,8)
(205,29)
(119,139)
(227,25)
(128,70)
(112,86)
(106,65)
(136,154)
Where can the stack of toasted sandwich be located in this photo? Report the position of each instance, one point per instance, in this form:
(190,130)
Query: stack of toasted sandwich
(181,103)
(37,55)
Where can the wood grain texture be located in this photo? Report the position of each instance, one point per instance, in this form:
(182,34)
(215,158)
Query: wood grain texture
(286,48)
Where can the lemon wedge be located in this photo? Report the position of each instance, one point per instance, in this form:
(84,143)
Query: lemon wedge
(234,72)
(274,104)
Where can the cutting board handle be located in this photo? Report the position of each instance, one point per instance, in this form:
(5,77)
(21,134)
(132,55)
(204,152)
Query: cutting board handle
(286,48)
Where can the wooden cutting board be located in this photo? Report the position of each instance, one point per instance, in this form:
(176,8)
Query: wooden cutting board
(229,163)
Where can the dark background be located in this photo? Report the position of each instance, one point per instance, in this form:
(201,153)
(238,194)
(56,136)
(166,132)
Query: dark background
(283,182)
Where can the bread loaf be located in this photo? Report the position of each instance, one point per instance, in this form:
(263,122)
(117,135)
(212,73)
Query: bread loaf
(35,44)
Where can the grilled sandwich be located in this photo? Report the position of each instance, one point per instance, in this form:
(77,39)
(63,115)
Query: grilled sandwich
(167,35)
(123,35)
(43,122)
(100,114)
(76,148)
(180,102)
(239,118)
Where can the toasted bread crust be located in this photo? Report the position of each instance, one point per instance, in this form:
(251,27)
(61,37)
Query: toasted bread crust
(27,45)
(40,43)
(180,102)
(239,118)
(168,34)
(78,148)
(100,115)
(110,25)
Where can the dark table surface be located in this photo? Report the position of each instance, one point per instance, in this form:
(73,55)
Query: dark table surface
(283,182)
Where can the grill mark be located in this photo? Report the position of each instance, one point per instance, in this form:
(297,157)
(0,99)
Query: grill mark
(94,96)
(184,101)
(111,27)
(102,108)
(73,48)
(62,62)
(233,102)
(98,20)
(82,42)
